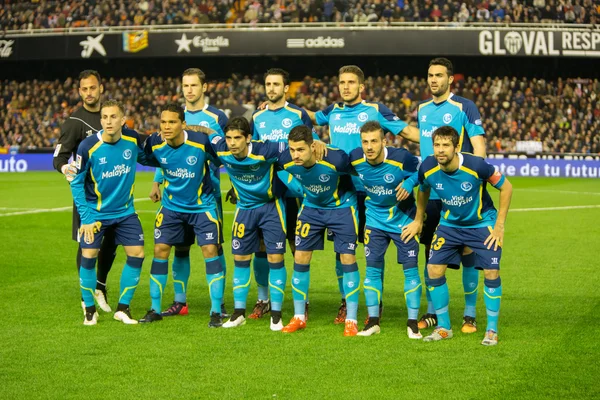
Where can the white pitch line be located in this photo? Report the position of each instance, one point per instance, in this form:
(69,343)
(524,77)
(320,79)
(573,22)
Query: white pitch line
(557,191)
(48,210)
(554,208)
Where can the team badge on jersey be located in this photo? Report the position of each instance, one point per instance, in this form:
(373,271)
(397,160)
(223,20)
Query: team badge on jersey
(447,118)
(363,116)
(191,160)
(324,178)
(286,122)
(127,154)
(389,178)
(466,186)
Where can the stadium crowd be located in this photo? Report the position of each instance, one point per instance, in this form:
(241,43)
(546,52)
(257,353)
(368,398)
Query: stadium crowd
(45,14)
(564,115)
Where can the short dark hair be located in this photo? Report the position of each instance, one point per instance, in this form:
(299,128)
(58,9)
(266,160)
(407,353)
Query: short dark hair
(113,103)
(372,126)
(176,108)
(443,62)
(195,71)
(301,133)
(278,71)
(90,72)
(238,124)
(446,132)
(353,69)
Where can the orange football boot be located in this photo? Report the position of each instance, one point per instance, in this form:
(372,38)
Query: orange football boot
(351,329)
(294,325)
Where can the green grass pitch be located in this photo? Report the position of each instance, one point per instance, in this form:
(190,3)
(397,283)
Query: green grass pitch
(549,330)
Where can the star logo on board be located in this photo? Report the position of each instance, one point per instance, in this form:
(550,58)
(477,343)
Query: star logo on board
(184,44)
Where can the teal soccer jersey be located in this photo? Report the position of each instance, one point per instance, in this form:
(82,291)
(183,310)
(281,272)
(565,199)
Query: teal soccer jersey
(188,187)
(460,113)
(465,200)
(345,122)
(380,181)
(326,184)
(253,177)
(215,119)
(275,125)
(103,186)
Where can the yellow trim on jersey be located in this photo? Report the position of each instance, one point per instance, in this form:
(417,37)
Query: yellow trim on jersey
(431,171)
(297,112)
(394,163)
(200,192)
(216,221)
(166,183)
(336,196)
(159,146)
(447,214)
(455,103)
(129,139)
(196,145)
(212,115)
(373,289)
(281,218)
(336,105)
(469,171)
(325,163)
(99,203)
(256,157)
(354,219)
(359,161)
(237,210)
(290,164)
(374,105)
(391,210)
(424,104)
(223,153)
(130,194)
(270,191)
(257,114)
(480,202)
(461,137)
(93,149)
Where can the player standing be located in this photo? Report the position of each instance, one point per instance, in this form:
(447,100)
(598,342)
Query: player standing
(447,109)
(381,169)
(344,120)
(274,123)
(329,203)
(259,214)
(197,114)
(468,219)
(103,193)
(188,209)
(84,122)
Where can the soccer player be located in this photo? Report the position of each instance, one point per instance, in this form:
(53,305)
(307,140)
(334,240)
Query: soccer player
(344,120)
(188,210)
(381,170)
(197,114)
(273,123)
(103,194)
(468,219)
(329,203)
(447,109)
(84,122)
(259,214)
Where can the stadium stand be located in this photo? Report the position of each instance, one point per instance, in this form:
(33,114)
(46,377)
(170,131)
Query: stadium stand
(564,114)
(42,14)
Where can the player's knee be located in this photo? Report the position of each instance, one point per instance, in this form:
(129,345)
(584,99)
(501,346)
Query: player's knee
(210,251)
(275,258)
(436,271)
(491,274)
(134,251)
(347,258)
(238,257)
(302,257)
(90,253)
(162,250)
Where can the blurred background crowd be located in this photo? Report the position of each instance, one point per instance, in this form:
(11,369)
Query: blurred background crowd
(563,115)
(47,14)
